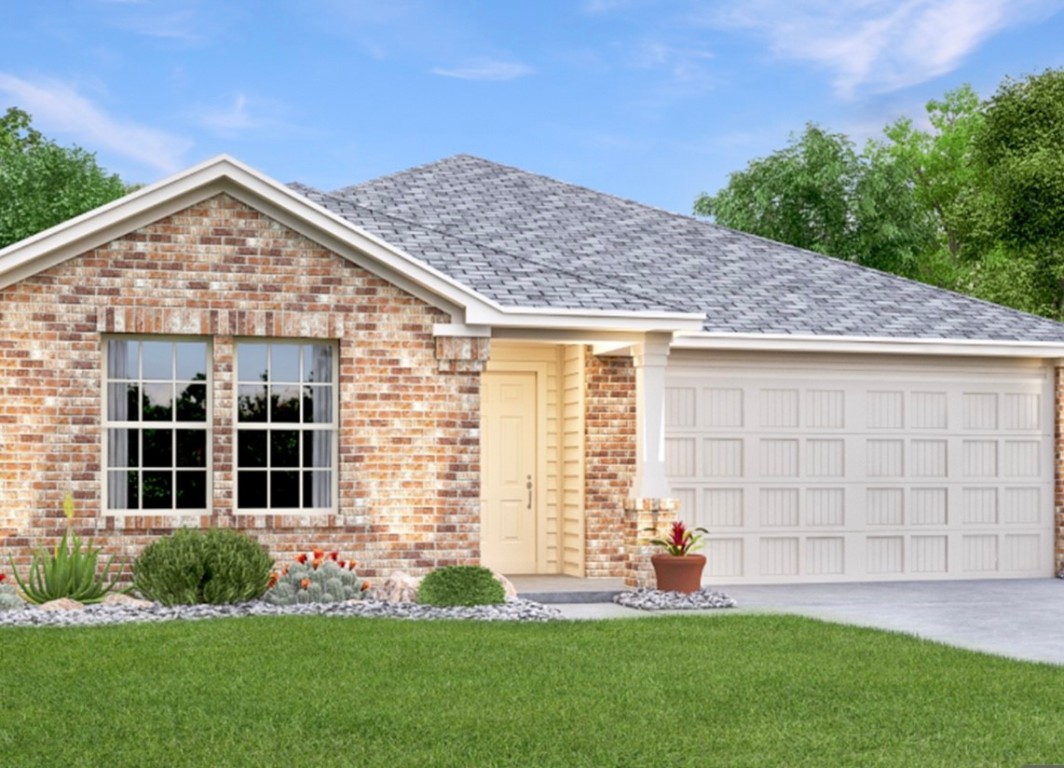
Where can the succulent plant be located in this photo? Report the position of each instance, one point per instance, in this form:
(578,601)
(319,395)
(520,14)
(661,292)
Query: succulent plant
(9,599)
(317,579)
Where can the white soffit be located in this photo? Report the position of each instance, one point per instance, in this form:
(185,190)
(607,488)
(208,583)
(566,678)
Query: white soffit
(868,345)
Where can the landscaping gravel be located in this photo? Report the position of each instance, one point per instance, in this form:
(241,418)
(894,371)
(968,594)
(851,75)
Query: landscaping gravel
(656,600)
(97,615)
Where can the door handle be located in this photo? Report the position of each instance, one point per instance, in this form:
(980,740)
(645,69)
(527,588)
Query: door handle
(529,487)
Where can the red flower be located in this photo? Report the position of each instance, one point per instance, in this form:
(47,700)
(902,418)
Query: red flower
(273,579)
(333,556)
(316,563)
(679,531)
(318,554)
(351,565)
(365,585)
(3,576)
(341,563)
(304,584)
(301,558)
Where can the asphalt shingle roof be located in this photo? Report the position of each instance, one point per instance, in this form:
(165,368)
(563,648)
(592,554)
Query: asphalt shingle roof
(525,240)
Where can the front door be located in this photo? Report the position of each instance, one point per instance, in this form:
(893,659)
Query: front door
(508,477)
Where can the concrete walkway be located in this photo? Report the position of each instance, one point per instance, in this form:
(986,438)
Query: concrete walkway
(1018,618)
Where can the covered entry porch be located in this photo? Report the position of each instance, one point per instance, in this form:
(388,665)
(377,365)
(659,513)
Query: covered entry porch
(572,453)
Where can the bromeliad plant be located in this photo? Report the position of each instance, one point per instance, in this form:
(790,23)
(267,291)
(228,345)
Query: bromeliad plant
(680,540)
(67,571)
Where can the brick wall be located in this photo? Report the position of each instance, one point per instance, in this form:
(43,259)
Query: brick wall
(609,447)
(410,406)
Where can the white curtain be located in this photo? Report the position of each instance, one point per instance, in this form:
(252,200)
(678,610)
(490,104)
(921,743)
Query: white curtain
(321,445)
(117,410)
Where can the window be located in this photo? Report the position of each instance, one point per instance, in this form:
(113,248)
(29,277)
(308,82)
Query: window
(286,425)
(156,424)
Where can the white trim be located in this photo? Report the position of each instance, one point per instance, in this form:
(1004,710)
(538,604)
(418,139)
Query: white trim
(461,330)
(269,425)
(140,425)
(869,345)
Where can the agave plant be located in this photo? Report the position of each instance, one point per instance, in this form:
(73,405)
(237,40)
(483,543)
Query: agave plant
(67,571)
(680,540)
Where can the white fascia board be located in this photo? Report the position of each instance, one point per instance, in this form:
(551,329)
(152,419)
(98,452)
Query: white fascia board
(868,345)
(584,319)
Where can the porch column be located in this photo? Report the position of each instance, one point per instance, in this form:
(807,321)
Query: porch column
(649,361)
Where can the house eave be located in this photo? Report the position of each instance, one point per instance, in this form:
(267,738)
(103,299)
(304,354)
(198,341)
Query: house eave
(868,345)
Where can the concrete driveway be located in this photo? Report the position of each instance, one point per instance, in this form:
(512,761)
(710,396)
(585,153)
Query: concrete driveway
(1019,618)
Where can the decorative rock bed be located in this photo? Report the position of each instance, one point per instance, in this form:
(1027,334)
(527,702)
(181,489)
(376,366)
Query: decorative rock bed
(98,615)
(656,600)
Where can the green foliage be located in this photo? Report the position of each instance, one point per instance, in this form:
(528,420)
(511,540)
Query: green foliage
(9,599)
(1020,154)
(327,582)
(680,539)
(973,204)
(189,567)
(819,193)
(461,585)
(43,184)
(67,570)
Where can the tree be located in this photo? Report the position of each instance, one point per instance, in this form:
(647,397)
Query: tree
(1019,156)
(975,204)
(43,184)
(819,193)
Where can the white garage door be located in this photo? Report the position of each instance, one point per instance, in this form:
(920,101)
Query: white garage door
(815,469)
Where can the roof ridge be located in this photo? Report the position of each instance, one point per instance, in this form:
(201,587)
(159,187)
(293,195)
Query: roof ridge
(486,246)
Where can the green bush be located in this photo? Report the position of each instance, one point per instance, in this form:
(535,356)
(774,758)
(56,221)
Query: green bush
(189,567)
(461,585)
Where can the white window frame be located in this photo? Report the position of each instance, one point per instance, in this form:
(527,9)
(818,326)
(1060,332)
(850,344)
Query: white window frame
(107,423)
(332,427)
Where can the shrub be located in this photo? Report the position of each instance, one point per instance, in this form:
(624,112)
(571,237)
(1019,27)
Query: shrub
(216,566)
(9,599)
(316,578)
(66,570)
(461,585)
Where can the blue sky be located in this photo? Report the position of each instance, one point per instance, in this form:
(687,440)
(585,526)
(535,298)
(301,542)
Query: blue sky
(651,100)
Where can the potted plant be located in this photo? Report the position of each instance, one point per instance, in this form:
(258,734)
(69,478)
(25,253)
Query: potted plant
(677,569)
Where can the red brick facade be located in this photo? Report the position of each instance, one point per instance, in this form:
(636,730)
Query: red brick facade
(409,424)
(610,461)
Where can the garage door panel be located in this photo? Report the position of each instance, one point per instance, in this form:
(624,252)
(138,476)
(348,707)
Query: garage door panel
(822,475)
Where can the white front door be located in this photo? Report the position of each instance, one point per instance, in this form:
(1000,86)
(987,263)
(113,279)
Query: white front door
(508,487)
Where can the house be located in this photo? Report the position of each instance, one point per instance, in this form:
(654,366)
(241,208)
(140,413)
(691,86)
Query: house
(465,362)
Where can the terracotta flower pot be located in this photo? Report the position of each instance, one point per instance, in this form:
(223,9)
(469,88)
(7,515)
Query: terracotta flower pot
(681,573)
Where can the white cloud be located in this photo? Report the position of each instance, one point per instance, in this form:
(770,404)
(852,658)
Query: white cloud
(231,119)
(879,45)
(58,107)
(486,69)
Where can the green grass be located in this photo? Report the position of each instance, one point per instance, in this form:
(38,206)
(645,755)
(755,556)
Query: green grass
(668,691)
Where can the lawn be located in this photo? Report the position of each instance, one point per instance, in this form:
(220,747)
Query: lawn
(668,691)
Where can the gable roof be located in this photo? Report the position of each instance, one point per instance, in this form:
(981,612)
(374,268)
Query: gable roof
(293,207)
(525,240)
